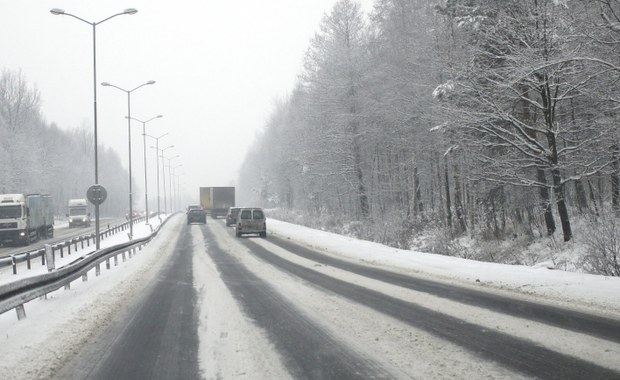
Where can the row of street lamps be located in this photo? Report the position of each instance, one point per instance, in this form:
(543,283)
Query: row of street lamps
(129,11)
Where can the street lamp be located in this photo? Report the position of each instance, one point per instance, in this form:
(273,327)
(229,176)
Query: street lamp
(157,165)
(178,189)
(60,12)
(163,173)
(146,193)
(170,177)
(173,192)
(129,134)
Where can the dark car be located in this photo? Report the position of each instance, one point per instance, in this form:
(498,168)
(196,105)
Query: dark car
(193,207)
(196,215)
(231,217)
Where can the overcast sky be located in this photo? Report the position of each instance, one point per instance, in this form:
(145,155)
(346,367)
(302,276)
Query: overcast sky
(219,67)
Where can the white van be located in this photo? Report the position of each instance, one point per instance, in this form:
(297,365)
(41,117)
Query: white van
(251,221)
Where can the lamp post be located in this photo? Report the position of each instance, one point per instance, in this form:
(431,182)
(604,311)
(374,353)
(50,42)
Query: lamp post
(146,192)
(170,177)
(157,165)
(58,12)
(129,135)
(173,197)
(163,173)
(178,189)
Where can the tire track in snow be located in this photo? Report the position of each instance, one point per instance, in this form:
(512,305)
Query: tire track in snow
(308,351)
(512,352)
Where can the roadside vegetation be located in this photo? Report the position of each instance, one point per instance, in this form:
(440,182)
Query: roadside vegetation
(475,128)
(38,157)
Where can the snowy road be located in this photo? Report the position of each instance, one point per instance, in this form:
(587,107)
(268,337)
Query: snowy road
(202,303)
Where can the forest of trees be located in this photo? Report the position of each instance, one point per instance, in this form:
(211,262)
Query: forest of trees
(37,157)
(494,119)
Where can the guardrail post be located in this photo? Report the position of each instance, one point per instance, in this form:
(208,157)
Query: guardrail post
(75,242)
(28,260)
(82,242)
(62,252)
(68,286)
(115,260)
(107,263)
(42,257)
(21,312)
(130,252)
(68,243)
(14,263)
(97,269)
(88,241)
(85,277)
(124,257)
(51,259)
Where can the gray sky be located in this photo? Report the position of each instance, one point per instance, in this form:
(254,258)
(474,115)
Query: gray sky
(219,67)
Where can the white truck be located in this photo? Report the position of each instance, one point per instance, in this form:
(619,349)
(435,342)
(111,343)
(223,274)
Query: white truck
(25,218)
(78,213)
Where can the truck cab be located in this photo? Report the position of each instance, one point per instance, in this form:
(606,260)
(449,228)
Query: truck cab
(78,213)
(25,218)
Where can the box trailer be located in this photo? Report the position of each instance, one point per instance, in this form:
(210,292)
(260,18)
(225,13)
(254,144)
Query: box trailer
(217,200)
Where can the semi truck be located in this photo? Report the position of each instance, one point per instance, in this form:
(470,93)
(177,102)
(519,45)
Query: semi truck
(25,218)
(217,200)
(78,213)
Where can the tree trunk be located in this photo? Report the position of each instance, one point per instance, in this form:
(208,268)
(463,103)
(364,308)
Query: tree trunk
(361,188)
(418,206)
(458,203)
(545,202)
(593,197)
(582,199)
(448,205)
(615,180)
(558,189)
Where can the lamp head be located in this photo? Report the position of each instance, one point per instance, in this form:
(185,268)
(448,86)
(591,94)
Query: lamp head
(130,11)
(150,82)
(105,83)
(56,11)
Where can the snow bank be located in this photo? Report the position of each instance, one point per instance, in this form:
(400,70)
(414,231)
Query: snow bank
(588,290)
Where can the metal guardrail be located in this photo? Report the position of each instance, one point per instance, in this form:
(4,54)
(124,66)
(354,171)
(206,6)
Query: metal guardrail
(28,256)
(15,294)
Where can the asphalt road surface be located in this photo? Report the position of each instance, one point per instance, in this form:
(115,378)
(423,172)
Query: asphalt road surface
(223,307)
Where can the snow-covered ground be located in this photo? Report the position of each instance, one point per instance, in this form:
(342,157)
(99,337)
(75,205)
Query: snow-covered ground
(140,230)
(588,291)
(56,328)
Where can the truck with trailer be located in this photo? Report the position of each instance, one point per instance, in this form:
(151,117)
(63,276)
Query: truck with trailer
(25,218)
(78,213)
(217,200)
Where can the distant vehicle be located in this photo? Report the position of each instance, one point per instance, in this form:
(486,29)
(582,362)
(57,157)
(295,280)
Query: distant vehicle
(196,215)
(26,218)
(251,221)
(217,200)
(135,215)
(79,213)
(231,217)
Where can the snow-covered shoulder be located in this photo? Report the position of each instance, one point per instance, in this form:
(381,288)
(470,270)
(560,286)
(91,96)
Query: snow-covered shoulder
(594,292)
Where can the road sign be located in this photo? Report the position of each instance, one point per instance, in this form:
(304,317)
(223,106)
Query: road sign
(96,194)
